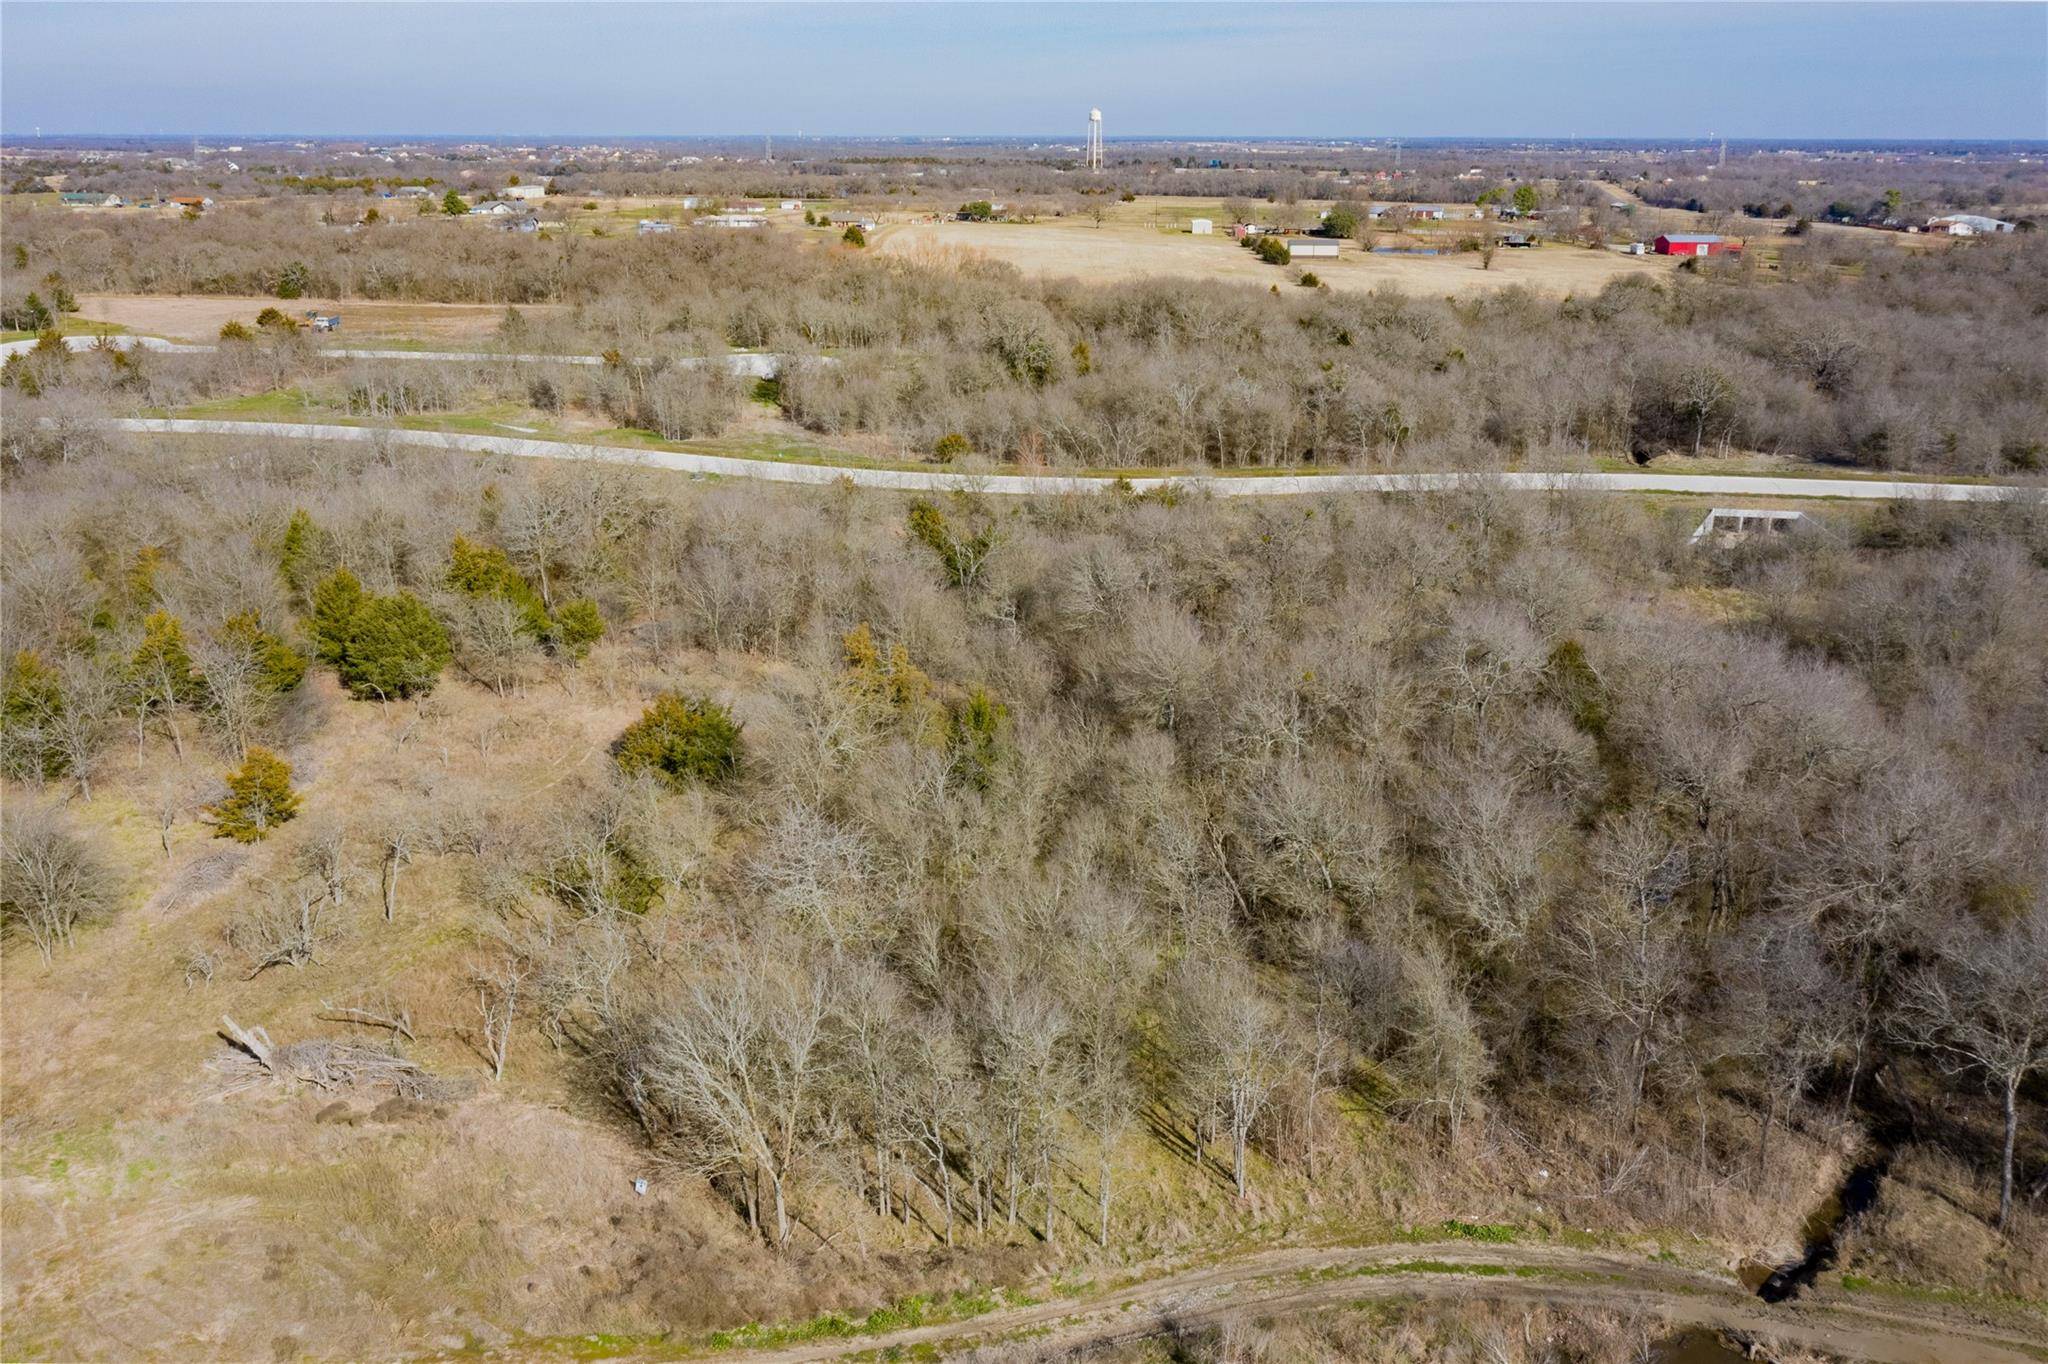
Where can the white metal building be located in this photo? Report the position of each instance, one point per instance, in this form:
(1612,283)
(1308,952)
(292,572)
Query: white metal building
(1299,247)
(1201,227)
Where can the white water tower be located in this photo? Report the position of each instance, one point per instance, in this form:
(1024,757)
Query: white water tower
(1095,139)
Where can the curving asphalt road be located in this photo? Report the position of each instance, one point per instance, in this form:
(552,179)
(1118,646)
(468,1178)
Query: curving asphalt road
(1040,485)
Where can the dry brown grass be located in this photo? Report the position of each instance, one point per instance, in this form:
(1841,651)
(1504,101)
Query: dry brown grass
(1933,1228)
(1130,245)
(199,318)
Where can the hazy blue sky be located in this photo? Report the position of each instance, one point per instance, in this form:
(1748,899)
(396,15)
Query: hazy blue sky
(1668,70)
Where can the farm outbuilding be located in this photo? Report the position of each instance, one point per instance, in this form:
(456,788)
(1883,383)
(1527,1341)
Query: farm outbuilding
(1692,244)
(1299,247)
(1201,227)
(1968,225)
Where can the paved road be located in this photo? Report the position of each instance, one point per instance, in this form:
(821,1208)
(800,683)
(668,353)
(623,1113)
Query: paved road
(758,366)
(905,480)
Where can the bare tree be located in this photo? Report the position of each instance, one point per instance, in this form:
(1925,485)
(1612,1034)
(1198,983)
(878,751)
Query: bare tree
(1983,1005)
(497,985)
(1623,955)
(282,928)
(51,880)
(739,1060)
(323,858)
(1230,1047)
(1440,1056)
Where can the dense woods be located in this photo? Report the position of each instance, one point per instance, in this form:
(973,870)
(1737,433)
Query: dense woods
(1147,817)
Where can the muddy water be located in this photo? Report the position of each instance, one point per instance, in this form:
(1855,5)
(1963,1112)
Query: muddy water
(1697,1345)
(1823,1231)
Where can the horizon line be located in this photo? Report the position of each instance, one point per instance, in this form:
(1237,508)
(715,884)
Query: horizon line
(1128,138)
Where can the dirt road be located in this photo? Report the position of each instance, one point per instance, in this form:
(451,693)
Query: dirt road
(1284,1282)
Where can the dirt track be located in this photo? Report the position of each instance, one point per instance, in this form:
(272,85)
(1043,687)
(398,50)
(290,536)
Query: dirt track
(1292,1281)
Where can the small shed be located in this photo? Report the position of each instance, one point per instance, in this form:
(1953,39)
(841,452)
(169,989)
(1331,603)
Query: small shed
(1201,227)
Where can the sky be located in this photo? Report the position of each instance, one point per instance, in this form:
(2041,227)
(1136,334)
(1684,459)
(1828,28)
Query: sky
(1796,71)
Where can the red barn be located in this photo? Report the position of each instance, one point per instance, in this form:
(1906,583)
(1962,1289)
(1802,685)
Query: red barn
(1693,244)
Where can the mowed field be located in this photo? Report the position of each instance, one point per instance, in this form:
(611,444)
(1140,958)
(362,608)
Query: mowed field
(1131,245)
(191,317)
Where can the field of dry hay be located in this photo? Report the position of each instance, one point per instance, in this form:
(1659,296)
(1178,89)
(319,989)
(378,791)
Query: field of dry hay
(199,317)
(1131,245)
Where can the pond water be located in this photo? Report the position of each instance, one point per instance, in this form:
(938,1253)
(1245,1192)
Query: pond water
(1698,1345)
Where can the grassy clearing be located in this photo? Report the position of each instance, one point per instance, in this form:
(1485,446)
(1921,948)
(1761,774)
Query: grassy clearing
(71,326)
(1940,1295)
(1677,466)
(920,1309)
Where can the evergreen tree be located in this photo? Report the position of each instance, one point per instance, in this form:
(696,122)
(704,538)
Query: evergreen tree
(382,647)
(484,571)
(33,704)
(260,797)
(974,728)
(295,553)
(336,603)
(162,664)
(279,666)
(577,626)
(395,648)
(681,741)
(452,204)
